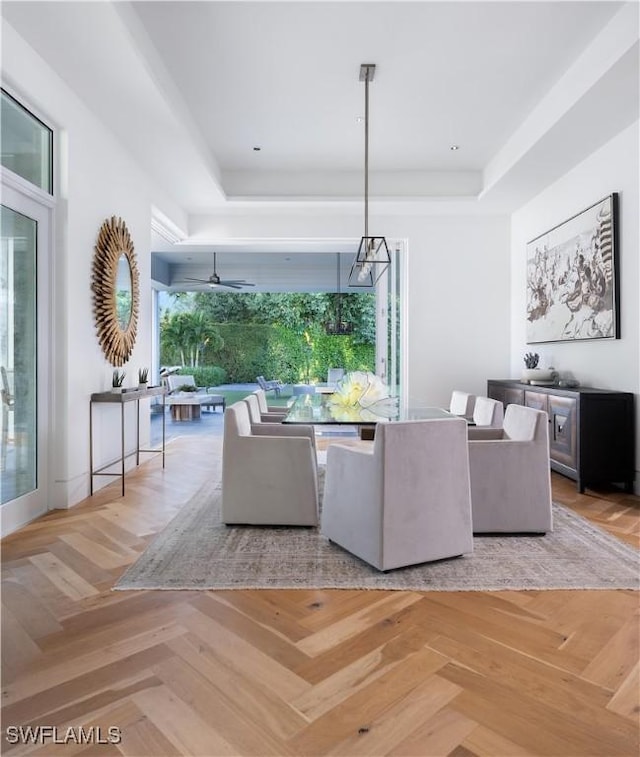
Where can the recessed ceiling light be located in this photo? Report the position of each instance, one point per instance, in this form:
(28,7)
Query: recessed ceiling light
(257,149)
(454,147)
(359,119)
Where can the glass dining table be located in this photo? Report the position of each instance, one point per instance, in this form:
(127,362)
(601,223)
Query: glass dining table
(322,409)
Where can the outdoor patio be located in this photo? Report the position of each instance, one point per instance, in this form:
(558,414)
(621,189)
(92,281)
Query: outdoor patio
(212,423)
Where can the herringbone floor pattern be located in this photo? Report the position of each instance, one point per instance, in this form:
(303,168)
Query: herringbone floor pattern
(303,672)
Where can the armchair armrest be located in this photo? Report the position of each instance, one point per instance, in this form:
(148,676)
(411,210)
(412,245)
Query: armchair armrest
(282,430)
(479,432)
(272,417)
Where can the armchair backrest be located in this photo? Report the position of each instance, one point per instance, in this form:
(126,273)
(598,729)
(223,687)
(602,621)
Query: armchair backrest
(462,403)
(262,400)
(525,424)
(254,408)
(488,412)
(424,466)
(262,382)
(237,421)
(175,381)
(413,455)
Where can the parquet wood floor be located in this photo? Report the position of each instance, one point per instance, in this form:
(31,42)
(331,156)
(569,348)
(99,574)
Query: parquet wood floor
(302,672)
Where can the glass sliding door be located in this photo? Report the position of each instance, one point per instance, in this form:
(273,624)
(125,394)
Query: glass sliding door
(24,358)
(18,353)
(388,321)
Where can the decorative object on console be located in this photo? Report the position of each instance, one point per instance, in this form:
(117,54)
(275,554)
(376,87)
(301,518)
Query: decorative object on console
(143,378)
(534,375)
(572,278)
(115,283)
(117,379)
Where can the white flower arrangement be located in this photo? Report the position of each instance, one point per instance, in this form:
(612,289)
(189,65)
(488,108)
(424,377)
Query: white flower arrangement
(361,395)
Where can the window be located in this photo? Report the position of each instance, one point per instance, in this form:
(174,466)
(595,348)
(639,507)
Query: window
(26,144)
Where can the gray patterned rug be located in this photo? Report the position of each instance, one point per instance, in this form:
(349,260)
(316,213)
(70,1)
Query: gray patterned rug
(197,551)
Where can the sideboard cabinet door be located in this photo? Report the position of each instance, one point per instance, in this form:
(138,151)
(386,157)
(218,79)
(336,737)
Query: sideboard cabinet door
(563,431)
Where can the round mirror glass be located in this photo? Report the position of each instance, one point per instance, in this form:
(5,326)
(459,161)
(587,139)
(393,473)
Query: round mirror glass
(124,292)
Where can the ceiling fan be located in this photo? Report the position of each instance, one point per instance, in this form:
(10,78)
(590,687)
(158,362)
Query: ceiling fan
(215,281)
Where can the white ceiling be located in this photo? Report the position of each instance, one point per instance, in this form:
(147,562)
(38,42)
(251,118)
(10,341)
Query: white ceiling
(526,89)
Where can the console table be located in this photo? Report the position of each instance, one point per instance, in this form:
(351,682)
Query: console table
(122,399)
(591,431)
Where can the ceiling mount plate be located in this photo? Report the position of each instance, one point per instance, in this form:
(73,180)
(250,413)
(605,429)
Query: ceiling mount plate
(367,71)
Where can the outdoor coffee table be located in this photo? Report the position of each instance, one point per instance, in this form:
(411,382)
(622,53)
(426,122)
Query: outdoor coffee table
(186,406)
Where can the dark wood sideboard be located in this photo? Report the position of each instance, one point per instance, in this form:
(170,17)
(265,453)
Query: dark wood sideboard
(591,431)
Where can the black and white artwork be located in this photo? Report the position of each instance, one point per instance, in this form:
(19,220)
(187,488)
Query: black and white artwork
(572,288)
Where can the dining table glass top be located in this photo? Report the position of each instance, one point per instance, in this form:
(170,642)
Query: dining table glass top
(324,409)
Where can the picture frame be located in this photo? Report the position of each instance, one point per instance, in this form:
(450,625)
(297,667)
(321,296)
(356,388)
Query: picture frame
(572,278)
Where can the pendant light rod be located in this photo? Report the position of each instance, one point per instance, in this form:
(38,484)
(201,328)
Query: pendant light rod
(367,73)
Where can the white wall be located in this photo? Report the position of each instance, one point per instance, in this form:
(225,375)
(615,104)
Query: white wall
(94,179)
(457,299)
(608,363)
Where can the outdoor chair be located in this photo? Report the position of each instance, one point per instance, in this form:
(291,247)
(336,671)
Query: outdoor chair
(269,472)
(510,478)
(257,416)
(269,386)
(175,382)
(462,404)
(406,499)
(334,375)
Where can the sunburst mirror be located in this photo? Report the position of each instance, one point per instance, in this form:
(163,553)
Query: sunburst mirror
(115,283)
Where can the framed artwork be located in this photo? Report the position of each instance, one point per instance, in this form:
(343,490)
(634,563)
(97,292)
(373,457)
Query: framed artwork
(572,278)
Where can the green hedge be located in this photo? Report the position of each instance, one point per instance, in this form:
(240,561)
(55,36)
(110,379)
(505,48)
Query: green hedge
(206,375)
(252,350)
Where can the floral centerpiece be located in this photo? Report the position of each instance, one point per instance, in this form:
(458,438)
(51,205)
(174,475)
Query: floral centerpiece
(361,395)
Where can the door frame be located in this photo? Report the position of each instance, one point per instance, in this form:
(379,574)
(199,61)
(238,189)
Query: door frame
(22,197)
(391,323)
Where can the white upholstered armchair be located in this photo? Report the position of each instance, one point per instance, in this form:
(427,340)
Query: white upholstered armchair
(406,500)
(255,411)
(487,413)
(462,403)
(264,405)
(510,479)
(269,472)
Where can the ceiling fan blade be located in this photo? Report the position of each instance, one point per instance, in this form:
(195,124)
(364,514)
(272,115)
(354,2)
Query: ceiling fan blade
(200,281)
(240,282)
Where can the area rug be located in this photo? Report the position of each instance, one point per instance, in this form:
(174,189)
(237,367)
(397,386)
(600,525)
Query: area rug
(197,551)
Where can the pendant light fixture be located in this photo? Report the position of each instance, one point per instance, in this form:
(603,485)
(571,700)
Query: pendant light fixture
(373,257)
(338,327)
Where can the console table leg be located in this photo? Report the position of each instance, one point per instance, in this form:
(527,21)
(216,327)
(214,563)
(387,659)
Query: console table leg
(91,449)
(122,442)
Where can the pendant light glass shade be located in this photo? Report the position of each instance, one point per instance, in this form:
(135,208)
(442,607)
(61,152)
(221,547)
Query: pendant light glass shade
(372,258)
